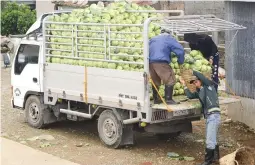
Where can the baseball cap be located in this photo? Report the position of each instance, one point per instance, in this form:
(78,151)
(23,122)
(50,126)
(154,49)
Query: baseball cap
(194,78)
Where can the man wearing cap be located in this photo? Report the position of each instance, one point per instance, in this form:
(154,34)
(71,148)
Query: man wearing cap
(207,95)
(208,48)
(160,48)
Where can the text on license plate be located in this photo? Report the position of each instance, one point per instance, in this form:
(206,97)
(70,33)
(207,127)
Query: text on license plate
(181,113)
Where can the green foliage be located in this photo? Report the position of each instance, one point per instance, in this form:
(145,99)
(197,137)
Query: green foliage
(16,19)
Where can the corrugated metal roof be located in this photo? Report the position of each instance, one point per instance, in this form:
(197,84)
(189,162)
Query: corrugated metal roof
(240,57)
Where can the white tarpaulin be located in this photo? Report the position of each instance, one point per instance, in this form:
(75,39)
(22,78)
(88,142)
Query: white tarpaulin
(71,2)
(141,2)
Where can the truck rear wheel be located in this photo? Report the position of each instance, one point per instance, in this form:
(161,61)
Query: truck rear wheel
(34,112)
(110,129)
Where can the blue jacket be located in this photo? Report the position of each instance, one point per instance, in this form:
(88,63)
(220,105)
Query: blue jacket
(161,46)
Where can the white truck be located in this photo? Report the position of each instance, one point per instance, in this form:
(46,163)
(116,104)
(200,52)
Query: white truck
(119,99)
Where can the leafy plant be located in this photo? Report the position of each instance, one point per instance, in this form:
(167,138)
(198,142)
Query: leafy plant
(16,19)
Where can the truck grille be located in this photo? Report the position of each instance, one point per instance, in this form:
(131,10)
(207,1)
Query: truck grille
(159,115)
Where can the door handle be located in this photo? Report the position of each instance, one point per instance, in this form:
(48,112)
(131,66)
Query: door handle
(34,80)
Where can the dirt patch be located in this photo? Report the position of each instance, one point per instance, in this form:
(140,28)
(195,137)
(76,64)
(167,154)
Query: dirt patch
(245,156)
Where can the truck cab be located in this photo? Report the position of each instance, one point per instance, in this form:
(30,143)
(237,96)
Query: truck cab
(26,73)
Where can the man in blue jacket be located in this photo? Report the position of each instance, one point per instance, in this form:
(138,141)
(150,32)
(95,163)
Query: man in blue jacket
(161,47)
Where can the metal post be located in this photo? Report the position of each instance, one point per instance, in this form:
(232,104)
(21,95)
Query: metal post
(105,46)
(109,42)
(146,64)
(72,40)
(215,37)
(76,39)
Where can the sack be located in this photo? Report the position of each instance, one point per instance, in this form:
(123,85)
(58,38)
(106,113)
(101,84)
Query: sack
(242,156)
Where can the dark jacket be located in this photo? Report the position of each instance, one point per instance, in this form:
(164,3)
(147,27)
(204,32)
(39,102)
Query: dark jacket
(206,94)
(204,44)
(161,46)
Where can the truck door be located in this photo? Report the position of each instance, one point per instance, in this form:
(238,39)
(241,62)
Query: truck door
(25,73)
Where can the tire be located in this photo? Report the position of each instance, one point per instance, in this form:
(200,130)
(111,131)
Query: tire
(168,135)
(34,112)
(110,129)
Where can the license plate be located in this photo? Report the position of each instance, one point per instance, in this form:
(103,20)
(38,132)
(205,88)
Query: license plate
(181,113)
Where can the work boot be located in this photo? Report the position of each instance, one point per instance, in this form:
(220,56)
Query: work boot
(209,156)
(169,89)
(216,155)
(156,97)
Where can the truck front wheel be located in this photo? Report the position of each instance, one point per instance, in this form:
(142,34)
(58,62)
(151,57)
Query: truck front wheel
(110,129)
(34,112)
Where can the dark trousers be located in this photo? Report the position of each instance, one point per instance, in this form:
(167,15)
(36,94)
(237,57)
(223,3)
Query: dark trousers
(162,71)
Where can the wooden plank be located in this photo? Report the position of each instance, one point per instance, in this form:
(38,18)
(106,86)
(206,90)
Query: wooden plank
(191,104)
(194,104)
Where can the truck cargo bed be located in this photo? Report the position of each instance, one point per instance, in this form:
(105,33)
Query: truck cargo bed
(100,86)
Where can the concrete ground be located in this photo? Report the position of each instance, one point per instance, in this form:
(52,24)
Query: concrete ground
(14,153)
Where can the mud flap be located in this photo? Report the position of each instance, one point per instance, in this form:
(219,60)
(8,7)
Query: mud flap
(128,131)
(48,116)
(128,135)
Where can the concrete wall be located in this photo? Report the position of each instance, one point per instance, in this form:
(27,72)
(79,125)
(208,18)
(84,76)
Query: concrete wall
(204,7)
(43,7)
(244,113)
(196,8)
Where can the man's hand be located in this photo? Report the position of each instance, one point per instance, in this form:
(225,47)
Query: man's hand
(221,76)
(211,60)
(182,81)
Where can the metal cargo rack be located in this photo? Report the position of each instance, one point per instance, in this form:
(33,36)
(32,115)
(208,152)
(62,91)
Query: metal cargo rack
(198,24)
(71,48)
(209,24)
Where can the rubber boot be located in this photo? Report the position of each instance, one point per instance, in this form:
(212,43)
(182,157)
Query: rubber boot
(169,89)
(156,97)
(209,156)
(216,155)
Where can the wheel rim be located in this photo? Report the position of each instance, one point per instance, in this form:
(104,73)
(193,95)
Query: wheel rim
(34,112)
(109,130)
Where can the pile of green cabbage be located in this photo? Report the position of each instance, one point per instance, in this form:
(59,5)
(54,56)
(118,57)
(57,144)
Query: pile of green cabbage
(95,41)
(114,50)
